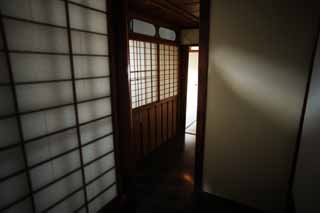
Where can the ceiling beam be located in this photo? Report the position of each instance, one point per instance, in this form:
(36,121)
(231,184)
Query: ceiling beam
(173,9)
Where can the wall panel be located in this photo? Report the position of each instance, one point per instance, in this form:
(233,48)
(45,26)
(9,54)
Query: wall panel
(57,145)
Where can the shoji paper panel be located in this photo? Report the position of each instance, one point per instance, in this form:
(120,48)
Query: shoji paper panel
(24,206)
(54,169)
(48,67)
(57,191)
(85,19)
(48,11)
(93,88)
(106,197)
(44,122)
(33,97)
(11,161)
(86,43)
(98,167)
(33,37)
(91,66)
(60,162)
(71,204)
(94,109)
(143,72)
(95,130)
(14,189)
(9,132)
(168,57)
(51,146)
(96,4)
(4,74)
(103,182)
(6,100)
(97,149)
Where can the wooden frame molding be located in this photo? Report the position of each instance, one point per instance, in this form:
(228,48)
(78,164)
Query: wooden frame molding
(202,92)
(290,206)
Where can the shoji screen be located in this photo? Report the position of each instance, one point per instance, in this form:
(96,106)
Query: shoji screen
(143,72)
(168,57)
(56,148)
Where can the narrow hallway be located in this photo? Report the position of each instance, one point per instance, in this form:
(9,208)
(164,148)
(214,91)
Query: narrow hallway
(165,180)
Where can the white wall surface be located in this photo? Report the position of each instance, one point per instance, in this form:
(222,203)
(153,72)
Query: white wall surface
(259,59)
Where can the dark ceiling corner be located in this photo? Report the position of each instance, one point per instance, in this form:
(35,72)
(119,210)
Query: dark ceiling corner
(176,13)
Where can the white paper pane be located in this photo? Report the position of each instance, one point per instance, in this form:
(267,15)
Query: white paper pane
(98,167)
(93,88)
(41,175)
(24,206)
(83,210)
(49,11)
(41,123)
(11,161)
(16,8)
(98,148)
(4,73)
(66,163)
(48,147)
(52,170)
(86,19)
(6,100)
(96,129)
(103,182)
(90,66)
(27,36)
(97,4)
(94,109)
(57,191)
(9,132)
(102,200)
(14,188)
(38,96)
(35,67)
(86,43)
(70,204)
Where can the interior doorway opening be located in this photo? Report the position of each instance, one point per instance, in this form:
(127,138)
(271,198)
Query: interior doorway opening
(192,92)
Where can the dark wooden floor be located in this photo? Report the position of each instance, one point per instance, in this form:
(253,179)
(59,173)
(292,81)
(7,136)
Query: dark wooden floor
(164,183)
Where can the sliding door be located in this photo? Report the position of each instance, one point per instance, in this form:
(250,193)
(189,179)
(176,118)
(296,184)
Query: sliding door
(57,135)
(153,74)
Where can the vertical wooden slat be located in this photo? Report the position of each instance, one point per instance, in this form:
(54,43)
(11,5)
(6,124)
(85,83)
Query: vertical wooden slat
(175,117)
(159,124)
(113,91)
(169,113)
(152,132)
(145,130)
(164,122)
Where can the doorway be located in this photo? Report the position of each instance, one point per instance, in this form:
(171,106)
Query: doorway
(192,91)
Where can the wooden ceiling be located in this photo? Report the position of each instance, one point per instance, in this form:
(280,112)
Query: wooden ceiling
(176,13)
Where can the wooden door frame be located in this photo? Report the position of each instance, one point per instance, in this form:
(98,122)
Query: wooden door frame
(202,92)
(119,62)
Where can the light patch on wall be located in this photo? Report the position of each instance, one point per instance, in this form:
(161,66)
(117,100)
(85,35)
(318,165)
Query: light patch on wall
(242,72)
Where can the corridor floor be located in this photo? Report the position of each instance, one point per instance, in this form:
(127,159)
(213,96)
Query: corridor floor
(164,184)
(165,181)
